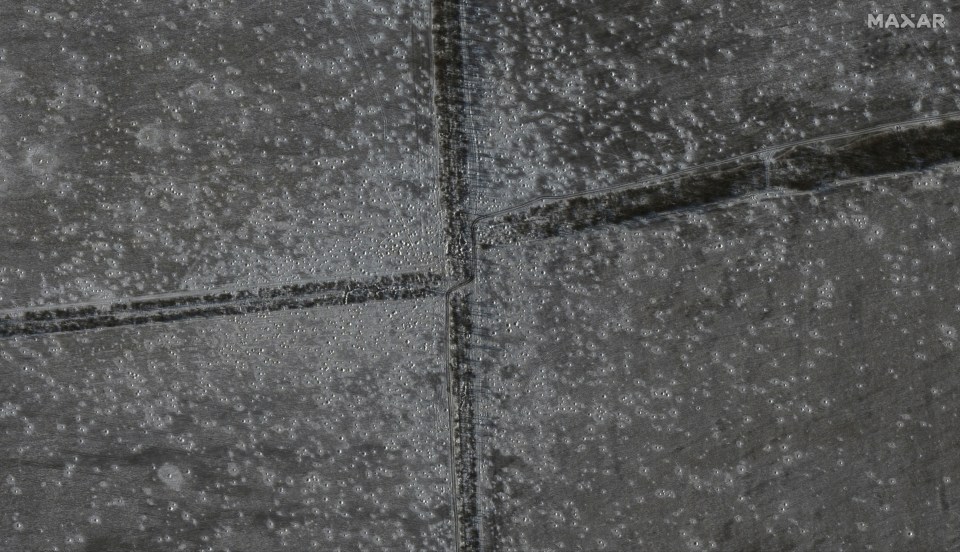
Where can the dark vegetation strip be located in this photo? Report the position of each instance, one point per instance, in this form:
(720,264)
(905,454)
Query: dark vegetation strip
(452,79)
(287,297)
(450,98)
(803,168)
(463,384)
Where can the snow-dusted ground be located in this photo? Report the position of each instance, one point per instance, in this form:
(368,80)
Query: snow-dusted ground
(770,374)
(578,94)
(757,358)
(319,429)
(157,147)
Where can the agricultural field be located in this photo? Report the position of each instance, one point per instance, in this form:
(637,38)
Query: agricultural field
(313,429)
(466,276)
(160,147)
(773,373)
(581,95)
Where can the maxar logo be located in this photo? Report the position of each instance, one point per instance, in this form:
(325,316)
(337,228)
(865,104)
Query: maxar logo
(904,21)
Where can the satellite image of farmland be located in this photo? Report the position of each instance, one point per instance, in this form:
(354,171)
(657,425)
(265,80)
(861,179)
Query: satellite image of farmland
(479,275)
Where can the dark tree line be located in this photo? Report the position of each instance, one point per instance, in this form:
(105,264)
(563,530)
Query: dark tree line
(292,296)
(802,168)
(463,383)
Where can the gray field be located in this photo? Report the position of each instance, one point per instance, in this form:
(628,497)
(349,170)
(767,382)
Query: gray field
(154,147)
(320,429)
(773,374)
(467,276)
(579,95)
